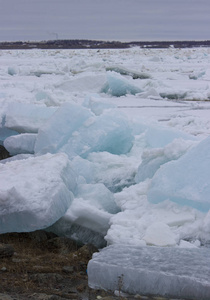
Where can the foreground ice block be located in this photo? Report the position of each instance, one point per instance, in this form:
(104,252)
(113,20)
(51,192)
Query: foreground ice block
(168,272)
(186,180)
(35,192)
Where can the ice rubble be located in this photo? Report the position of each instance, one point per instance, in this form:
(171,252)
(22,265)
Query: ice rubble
(185,181)
(167,272)
(73,128)
(87,219)
(35,192)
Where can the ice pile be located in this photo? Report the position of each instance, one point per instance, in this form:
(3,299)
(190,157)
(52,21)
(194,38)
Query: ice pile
(167,272)
(118,119)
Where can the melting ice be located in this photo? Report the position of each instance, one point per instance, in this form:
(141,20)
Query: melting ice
(111,147)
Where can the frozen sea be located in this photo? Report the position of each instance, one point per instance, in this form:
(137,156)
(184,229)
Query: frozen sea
(110,147)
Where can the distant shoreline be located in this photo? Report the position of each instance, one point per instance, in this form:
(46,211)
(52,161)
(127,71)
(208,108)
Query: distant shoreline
(93,44)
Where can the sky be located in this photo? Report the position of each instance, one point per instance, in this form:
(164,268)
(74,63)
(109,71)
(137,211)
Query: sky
(122,20)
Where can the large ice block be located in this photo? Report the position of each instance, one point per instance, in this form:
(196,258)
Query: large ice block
(57,130)
(168,272)
(35,192)
(186,180)
(109,132)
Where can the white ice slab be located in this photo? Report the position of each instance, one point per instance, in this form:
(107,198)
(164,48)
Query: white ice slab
(35,192)
(167,272)
(21,143)
(27,117)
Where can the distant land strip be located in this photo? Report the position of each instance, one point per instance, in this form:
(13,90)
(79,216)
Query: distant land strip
(93,44)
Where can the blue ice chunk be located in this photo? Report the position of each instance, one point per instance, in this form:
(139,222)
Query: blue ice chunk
(168,272)
(186,180)
(84,168)
(153,158)
(118,86)
(110,132)
(59,128)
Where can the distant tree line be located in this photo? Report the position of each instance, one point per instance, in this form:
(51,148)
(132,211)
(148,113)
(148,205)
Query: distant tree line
(93,44)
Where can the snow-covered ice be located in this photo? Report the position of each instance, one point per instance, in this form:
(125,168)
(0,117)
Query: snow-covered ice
(109,147)
(35,192)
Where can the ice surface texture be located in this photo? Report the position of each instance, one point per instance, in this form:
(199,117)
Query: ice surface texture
(170,272)
(35,192)
(185,180)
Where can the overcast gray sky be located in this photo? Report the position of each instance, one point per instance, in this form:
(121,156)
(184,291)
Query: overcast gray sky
(123,20)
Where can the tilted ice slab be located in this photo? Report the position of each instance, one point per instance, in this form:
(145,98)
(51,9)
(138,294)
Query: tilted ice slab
(27,117)
(168,272)
(35,192)
(73,129)
(21,143)
(118,86)
(128,72)
(59,128)
(109,132)
(186,180)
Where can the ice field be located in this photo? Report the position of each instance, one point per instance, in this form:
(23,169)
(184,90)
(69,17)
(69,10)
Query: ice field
(109,147)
